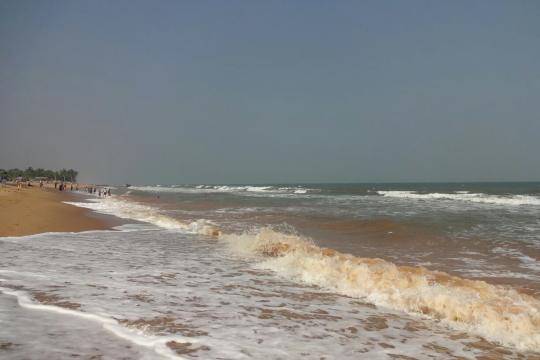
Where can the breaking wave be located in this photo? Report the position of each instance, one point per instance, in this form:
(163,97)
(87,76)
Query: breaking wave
(466,196)
(130,210)
(245,190)
(496,312)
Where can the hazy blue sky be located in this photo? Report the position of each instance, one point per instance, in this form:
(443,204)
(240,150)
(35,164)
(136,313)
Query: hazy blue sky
(272,91)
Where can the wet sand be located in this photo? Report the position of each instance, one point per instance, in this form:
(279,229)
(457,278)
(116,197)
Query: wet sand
(33,210)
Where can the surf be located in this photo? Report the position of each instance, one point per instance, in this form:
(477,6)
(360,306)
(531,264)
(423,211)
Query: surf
(498,313)
(495,312)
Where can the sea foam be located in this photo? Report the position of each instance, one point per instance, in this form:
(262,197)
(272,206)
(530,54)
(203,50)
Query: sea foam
(155,343)
(131,210)
(246,190)
(465,196)
(496,312)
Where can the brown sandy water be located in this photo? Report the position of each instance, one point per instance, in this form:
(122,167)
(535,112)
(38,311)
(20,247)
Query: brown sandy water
(343,277)
(399,241)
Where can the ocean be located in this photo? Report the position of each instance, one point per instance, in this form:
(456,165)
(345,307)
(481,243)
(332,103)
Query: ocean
(291,271)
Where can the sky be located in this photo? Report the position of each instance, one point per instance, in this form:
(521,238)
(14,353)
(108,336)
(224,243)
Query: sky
(174,92)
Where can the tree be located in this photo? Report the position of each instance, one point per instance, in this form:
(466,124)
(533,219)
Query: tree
(49,174)
(13,174)
(72,175)
(31,173)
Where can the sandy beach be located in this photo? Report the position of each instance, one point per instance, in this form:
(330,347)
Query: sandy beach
(33,210)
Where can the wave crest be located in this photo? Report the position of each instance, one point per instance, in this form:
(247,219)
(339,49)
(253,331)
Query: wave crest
(130,210)
(249,190)
(466,196)
(496,312)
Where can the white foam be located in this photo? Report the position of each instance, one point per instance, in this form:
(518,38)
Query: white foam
(246,190)
(497,313)
(513,200)
(156,343)
(135,211)
(243,310)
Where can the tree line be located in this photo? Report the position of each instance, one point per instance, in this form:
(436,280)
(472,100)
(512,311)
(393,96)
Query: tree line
(31,173)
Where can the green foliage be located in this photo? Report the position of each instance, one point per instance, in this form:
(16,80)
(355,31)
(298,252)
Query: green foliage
(31,173)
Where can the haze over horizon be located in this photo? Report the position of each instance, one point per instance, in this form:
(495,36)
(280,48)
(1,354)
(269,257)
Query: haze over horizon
(272,92)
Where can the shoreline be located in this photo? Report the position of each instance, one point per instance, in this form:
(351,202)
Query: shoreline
(34,210)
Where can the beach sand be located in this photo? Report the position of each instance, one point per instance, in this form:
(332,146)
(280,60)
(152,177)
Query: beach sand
(33,210)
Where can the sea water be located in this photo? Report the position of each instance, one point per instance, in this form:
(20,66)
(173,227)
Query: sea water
(283,271)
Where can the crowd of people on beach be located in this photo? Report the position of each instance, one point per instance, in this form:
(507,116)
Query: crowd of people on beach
(57,185)
(62,186)
(100,191)
(90,189)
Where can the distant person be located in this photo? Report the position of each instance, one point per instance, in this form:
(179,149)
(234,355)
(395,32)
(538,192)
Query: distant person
(109,192)
(40,184)
(55,184)
(71,188)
